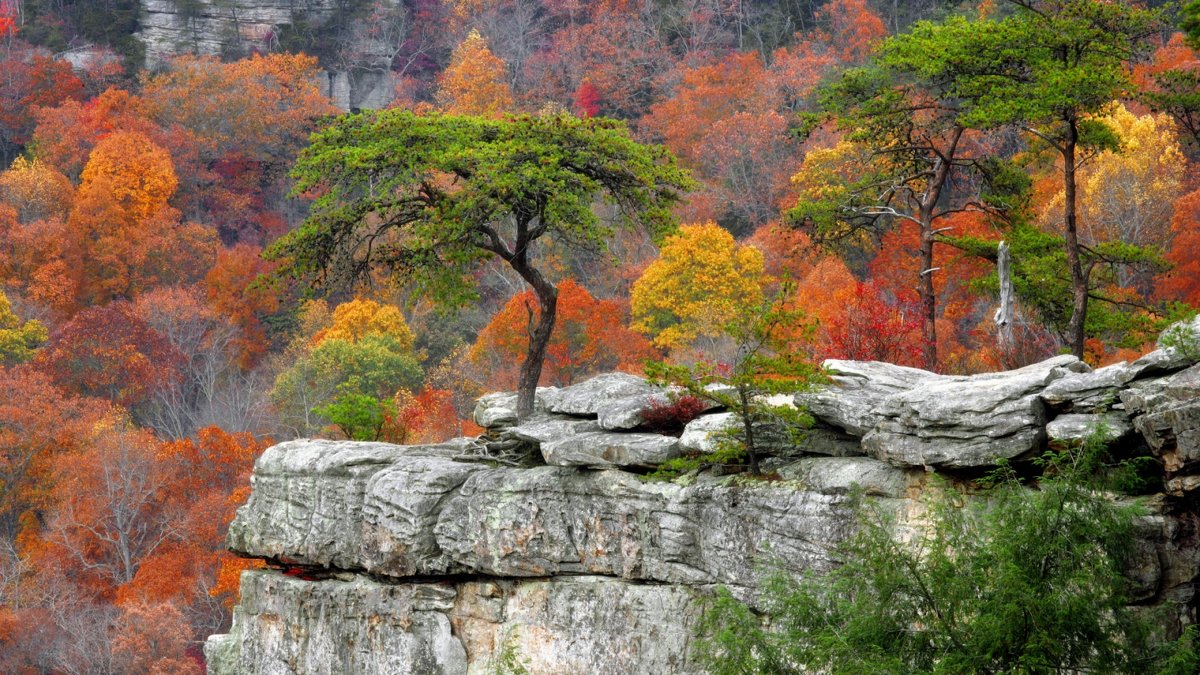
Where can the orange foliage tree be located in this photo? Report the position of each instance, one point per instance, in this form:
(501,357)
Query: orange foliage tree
(126,237)
(475,82)
(38,422)
(589,337)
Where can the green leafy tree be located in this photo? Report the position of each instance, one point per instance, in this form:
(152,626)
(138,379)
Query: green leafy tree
(339,375)
(1017,580)
(359,417)
(770,360)
(1046,69)
(431,197)
(913,140)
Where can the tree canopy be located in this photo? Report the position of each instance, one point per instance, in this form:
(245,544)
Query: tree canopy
(429,197)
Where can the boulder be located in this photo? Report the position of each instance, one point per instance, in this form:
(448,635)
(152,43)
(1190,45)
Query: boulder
(858,389)
(1077,427)
(600,449)
(499,410)
(967,422)
(839,475)
(344,505)
(700,435)
(616,400)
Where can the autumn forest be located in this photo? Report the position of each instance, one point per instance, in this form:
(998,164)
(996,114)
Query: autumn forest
(859,162)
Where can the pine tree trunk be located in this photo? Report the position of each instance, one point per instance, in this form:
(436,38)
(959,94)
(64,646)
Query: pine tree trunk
(1079,290)
(928,298)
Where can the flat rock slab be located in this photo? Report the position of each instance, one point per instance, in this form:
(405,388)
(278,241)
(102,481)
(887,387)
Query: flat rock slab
(499,410)
(422,516)
(853,400)
(840,475)
(967,422)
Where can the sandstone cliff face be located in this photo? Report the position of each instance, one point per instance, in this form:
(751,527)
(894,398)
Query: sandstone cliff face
(432,559)
(218,27)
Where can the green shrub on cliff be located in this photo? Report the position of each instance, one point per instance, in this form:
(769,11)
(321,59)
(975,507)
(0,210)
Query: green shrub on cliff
(1018,580)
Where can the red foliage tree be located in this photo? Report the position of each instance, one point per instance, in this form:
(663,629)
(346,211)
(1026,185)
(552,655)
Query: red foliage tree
(876,329)
(587,99)
(109,352)
(29,80)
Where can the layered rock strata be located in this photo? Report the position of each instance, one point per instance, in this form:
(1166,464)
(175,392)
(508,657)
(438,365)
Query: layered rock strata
(437,559)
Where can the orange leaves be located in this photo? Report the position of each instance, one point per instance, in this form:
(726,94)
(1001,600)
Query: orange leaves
(475,82)
(724,122)
(256,106)
(135,172)
(1182,282)
(589,337)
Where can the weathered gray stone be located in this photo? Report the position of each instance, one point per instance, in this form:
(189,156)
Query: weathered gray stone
(431,515)
(967,422)
(552,521)
(852,401)
(629,627)
(1077,427)
(349,506)
(600,449)
(288,625)
(576,625)
(615,399)
(499,410)
(1168,417)
(701,434)
(546,428)
(838,475)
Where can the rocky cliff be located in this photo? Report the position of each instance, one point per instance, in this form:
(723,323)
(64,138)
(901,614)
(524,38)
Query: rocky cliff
(239,27)
(446,559)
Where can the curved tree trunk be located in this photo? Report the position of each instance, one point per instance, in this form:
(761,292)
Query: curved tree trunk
(539,337)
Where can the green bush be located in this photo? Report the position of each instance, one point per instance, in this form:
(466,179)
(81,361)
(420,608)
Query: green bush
(1017,579)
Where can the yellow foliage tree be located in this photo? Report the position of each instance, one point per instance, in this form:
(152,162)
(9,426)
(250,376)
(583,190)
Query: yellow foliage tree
(1130,195)
(135,172)
(475,82)
(36,190)
(354,320)
(700,282)
(18,339)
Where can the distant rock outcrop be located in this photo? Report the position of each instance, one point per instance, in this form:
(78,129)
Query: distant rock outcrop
(433,559)
(240,27)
